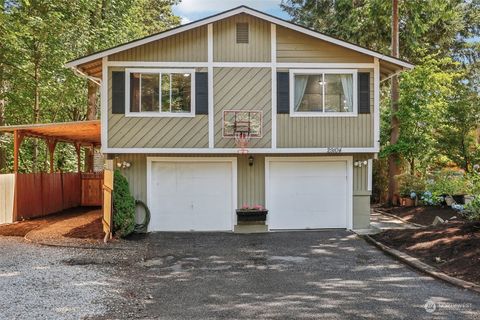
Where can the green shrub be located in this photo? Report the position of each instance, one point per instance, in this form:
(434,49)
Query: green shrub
(449,182)
(472,209)
(408,183)
(123,206)
(473,183)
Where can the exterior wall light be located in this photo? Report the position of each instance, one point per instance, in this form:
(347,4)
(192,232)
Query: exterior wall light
(123,165)
(250,160)
(360,163)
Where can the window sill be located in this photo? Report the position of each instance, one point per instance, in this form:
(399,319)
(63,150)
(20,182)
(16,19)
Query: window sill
(158,115)
(322,114)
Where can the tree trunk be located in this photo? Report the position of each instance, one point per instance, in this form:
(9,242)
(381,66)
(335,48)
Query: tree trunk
(92,101)
(36,111)
(91,115)
(394,159)
(3,158)
(3,90)
(412,166)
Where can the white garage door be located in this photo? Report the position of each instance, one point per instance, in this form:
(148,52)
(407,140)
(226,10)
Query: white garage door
(307,194)
(186,196)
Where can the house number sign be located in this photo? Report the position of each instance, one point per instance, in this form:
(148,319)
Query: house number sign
(334,150)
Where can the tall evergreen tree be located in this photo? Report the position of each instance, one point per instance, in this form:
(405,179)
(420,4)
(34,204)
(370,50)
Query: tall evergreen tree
(39,36)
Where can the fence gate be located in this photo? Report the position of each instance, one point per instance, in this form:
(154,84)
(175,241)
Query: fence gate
(107,199)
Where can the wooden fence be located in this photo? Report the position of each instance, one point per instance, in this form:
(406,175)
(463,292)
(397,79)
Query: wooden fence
(7,191)
(92,185)
(107,199)
(40,194)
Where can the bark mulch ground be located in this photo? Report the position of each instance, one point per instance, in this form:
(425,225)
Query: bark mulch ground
(82,226)
(453,248)
(92,230)
(422,215)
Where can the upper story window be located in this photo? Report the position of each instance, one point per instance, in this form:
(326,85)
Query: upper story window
(323,92)
(160,92)
(242,32)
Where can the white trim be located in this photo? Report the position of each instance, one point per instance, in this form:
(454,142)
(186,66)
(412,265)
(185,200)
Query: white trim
(376,104)
(349,169)
(158,64)
(293,113)
(369,174)
(228,14)
(159,113)
(104,105)
(284,65)
(211,116)
(236,150)
(232,160)
(273,49)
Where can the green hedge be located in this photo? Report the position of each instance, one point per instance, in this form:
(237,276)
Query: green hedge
(123,206)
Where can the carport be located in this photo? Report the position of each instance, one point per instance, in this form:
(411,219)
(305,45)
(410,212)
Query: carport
(30,195)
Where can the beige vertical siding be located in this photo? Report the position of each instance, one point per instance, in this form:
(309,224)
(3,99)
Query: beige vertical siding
(242,89)
(226,49)
(312,132)
(251,181)
(360,175)
(361,212)
(361,196)
(136,174)
(154,132)
(189,46)
(294,46)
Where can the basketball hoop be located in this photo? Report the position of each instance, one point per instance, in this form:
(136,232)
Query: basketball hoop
(242,139)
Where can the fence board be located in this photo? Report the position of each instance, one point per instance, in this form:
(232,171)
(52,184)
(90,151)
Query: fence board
(92,189)
(52,193)
(29,195)
(40,194)
(71,186)
(7,191)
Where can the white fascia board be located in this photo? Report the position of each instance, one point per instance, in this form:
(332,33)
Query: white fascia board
(228,14)
(236,151)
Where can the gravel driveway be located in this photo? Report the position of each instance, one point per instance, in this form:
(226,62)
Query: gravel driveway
(290,275)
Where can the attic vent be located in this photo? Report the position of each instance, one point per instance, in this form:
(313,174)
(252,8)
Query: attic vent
(242,32)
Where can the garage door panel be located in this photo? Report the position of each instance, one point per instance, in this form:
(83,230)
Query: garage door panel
(307,194)
(191,196)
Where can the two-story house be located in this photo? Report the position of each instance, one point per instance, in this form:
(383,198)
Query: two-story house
(243,108)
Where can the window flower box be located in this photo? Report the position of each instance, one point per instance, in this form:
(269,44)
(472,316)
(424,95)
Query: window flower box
(255,213)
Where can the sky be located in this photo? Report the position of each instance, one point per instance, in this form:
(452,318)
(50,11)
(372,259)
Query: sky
(191,10)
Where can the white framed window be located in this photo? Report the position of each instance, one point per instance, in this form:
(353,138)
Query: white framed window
(323,93)
(159,92)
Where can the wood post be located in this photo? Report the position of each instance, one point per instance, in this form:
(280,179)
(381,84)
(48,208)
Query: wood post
(52,143)
(90,158)
(79,163)
(17,142)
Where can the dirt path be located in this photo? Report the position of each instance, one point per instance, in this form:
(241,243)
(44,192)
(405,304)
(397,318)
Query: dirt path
(54,233)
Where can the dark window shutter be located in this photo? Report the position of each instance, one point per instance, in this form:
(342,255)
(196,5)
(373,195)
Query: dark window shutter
(118,92)
(283,95)
(363,92)
(201,93)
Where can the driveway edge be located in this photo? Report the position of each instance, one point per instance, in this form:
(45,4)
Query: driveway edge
(421,266)
(399,218)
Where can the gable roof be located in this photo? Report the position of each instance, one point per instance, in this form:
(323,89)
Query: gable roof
(230,13)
